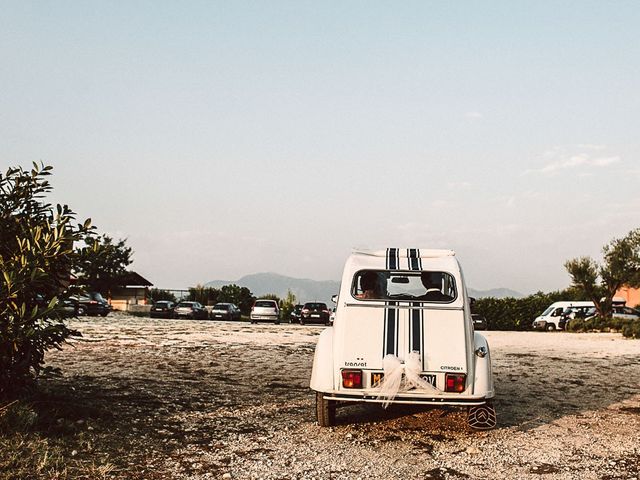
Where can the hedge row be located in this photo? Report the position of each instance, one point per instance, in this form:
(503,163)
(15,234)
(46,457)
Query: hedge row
(518,313)
(629,328)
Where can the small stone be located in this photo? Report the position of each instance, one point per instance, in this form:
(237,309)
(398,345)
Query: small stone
(74,453)
(226,475)
(473,450)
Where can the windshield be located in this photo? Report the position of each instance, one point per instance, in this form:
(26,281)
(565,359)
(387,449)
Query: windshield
(221,307)
(547,311)
(438,287)
(316,306)
(266,303)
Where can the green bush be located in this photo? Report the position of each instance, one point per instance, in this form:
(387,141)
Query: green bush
(629,328)
(36,260)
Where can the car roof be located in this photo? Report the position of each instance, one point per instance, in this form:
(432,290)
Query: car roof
(404,259)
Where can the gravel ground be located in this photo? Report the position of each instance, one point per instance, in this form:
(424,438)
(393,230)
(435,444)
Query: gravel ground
(209,400)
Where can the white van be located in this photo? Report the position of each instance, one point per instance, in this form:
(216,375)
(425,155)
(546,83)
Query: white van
(552,319)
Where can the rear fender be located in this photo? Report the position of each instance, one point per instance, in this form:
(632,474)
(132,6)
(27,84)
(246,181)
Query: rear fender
(483,380)
(322,373)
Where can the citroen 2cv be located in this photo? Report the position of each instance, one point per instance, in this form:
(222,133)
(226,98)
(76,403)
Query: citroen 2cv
(403,334)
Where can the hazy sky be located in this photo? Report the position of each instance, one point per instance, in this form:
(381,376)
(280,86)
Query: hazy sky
(228,138)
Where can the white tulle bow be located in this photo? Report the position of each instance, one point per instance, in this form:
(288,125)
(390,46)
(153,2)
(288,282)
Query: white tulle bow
(401,376)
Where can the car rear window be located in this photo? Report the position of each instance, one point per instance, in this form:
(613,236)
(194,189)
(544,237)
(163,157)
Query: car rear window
(221,307)
(316,306)
(389,285)
(266,303)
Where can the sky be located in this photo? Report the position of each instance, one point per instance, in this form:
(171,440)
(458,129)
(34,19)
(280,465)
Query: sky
(228,138)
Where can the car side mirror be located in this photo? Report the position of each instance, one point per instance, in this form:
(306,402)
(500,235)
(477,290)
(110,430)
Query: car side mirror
(334,298)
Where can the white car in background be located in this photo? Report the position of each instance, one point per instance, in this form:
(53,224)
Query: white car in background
(403,334)
(265,310)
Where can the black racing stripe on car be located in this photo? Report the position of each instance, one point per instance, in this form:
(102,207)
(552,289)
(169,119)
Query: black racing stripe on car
(414,259)
(391,330)
(392,260)
(416,328)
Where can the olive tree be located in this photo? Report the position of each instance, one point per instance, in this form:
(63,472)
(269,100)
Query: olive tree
(36,260)
(620,266)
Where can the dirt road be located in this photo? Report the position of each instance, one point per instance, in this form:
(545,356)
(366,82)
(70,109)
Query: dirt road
(196,399)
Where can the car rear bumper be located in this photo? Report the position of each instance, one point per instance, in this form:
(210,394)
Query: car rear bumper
(404,399)
(270,318)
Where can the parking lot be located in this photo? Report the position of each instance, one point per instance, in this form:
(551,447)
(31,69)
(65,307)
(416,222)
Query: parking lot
(204,399)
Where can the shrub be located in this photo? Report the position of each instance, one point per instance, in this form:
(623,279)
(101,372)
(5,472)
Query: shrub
(628,328)
(36,258)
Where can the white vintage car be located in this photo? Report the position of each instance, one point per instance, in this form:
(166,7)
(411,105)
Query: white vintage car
(403,334)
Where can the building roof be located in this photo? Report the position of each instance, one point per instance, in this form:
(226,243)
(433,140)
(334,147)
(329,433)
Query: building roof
(133,279)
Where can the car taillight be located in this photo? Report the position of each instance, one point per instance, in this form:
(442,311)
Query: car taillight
(352,378)
(325,311)
(305,310)
(455,382)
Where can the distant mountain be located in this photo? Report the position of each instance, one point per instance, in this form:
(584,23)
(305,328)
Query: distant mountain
(307,290)
(495,292)
(304,289)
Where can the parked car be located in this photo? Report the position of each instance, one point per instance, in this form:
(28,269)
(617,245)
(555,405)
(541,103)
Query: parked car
(92,303)
(626,313)
(225,311)
(315,312)
(401,345)
(294,316)
(193,310)
(162,309)
(479,322)
(265,310)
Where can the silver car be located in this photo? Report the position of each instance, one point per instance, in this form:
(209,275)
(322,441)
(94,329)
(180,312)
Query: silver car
(264,310)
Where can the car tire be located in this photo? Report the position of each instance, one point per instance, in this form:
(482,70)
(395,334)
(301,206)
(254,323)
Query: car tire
(104,314)
(550,327)
(482,417)
(325,411)
(301,322)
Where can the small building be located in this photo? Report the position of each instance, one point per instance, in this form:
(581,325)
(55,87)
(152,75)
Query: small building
(631,296)
(133,290)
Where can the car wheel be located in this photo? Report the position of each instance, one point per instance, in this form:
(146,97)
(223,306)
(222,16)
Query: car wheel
(104,314)
(82,311)
(325,411)
(550,327)
(482,417)
(276,322)
(301,322)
